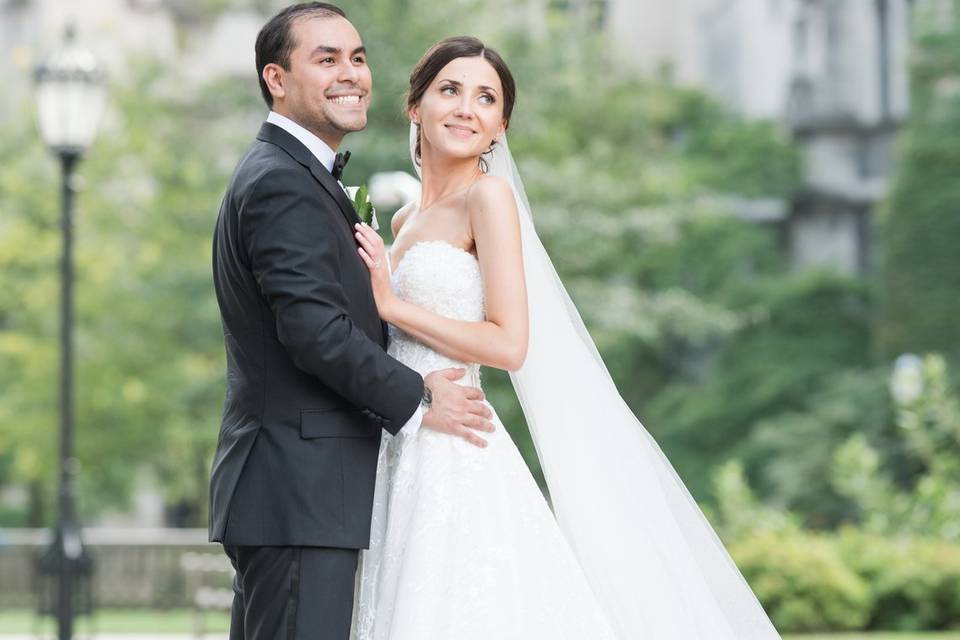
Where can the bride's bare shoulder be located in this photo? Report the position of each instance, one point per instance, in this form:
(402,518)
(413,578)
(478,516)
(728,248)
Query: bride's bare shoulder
(491,194)
(491,186)
(400,217)
(494,219)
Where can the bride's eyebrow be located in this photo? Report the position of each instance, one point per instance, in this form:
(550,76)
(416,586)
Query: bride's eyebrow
(482,87)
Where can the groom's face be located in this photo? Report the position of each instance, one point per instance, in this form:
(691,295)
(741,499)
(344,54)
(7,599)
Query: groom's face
(327,88)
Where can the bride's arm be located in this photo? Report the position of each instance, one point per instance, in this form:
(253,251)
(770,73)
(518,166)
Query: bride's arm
(501,339)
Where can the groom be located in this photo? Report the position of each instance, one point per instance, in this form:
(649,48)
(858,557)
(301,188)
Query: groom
(309,385)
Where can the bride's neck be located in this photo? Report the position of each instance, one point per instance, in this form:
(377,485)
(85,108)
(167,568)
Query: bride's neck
(441,177)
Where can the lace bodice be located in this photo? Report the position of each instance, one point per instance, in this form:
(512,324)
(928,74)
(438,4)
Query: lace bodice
(446,280)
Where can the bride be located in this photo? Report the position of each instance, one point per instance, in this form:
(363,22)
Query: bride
(463,545)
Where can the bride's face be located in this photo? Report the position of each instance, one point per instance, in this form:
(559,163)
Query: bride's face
(461,112)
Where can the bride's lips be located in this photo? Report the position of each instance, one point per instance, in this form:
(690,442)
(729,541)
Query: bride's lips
(460,131)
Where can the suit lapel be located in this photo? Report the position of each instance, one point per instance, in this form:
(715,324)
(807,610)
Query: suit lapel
(333,187)
(275,135)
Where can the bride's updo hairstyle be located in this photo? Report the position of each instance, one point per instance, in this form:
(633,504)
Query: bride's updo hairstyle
(440,55)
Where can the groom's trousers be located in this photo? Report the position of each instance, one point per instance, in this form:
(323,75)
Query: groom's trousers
(292,593)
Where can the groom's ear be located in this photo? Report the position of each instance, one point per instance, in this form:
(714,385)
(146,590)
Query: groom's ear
(273,77)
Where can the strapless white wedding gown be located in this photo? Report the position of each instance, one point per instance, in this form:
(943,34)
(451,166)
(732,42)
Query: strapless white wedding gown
(463,544)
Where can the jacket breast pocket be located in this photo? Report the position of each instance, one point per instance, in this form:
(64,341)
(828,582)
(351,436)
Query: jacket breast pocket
(339,422)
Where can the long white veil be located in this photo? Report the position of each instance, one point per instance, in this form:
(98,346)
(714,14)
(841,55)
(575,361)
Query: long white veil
(654,562)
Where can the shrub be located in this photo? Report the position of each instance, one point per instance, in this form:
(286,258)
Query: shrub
(914,583)
(803,583)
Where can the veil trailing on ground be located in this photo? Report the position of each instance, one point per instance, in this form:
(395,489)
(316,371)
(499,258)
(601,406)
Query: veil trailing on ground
(654,562)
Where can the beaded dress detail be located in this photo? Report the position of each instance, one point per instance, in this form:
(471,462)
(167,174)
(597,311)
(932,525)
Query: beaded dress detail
(463,545)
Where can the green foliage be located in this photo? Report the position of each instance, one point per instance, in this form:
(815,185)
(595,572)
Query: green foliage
(929,504)
(739,514)
(799,329)
(883,580)
(931,421)
(920,221)
(831,404)
(856,473)
(29,291)
(803,583)
(793,453)
(914,583)
(852,580)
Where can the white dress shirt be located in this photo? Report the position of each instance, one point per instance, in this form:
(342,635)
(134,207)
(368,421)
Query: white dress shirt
(322,152)
(320,149)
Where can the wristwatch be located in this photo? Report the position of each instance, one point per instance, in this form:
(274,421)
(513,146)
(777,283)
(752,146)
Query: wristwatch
(427,399)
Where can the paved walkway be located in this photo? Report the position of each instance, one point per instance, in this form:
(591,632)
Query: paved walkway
(120,636)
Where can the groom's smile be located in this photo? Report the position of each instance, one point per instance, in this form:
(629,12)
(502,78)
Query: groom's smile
(349,99)
(354,99)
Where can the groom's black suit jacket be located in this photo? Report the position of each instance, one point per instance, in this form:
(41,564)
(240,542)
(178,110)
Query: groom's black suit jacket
(309,385)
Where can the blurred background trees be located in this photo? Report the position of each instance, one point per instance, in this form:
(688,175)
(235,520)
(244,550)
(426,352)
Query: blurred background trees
(919,225)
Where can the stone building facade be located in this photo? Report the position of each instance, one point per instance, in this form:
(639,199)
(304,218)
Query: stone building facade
(833,72)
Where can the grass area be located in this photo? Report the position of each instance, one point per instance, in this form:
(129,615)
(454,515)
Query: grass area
(119,621)
(876,636)
(181,621)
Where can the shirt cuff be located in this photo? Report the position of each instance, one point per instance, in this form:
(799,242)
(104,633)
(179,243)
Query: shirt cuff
(413,424)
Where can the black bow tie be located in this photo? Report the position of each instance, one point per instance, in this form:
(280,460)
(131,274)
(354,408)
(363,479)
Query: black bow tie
(339,163)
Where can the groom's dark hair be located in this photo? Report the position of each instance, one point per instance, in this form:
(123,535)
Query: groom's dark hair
(275,42)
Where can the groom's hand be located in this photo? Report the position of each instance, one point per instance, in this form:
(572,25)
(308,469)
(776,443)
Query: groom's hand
(456,409)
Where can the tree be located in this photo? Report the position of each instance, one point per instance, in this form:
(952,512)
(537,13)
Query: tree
(920,221)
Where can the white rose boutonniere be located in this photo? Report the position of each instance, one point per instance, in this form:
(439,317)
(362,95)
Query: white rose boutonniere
(360,197)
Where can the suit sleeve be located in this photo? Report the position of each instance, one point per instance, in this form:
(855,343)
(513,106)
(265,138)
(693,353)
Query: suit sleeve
(290,241)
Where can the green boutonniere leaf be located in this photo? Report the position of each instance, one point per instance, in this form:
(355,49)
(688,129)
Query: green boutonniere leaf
(362,205)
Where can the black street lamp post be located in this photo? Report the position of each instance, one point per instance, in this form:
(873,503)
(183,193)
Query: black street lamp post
(70,99)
